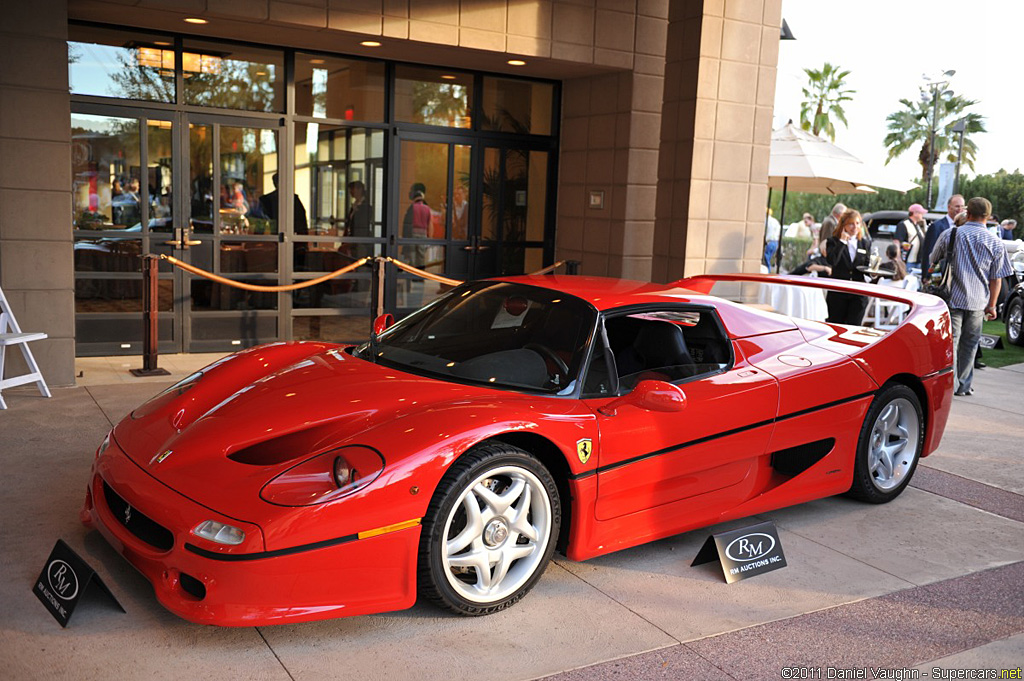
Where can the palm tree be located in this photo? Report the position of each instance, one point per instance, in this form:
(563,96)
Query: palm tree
(912,125)
(824,95)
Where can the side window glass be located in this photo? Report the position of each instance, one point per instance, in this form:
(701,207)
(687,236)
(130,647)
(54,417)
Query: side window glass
(667,345)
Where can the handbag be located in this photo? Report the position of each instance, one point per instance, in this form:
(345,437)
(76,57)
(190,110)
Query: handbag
(940,275)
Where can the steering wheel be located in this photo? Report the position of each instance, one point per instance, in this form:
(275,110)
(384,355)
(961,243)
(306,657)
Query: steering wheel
(547,353)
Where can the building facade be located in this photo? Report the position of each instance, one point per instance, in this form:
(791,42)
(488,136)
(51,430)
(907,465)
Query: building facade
(272,142)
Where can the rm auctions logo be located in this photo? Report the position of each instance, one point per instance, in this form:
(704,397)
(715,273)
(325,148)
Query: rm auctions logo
(62,579)
(750,547)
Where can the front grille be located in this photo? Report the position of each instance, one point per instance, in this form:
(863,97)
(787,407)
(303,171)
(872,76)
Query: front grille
(142,526)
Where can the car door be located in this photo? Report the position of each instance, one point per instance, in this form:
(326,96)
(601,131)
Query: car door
(705,453)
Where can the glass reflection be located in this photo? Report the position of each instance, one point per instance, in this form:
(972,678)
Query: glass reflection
(159,176)
(517,106)
(425,172)
(129,65)
(200,146)
(433,96)
(106,191)
(118,295)
(329,87)
(233,76)
(333,328)
(340,292)
(248,181)
(248,256)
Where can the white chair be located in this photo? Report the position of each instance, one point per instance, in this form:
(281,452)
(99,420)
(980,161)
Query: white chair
(888,314)
(11,334)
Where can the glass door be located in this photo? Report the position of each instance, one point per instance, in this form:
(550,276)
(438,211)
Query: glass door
(232,225)
(514,195)
(434,223)
(123,180)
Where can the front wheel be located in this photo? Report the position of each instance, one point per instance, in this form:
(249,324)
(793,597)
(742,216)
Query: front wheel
(1014,317)
(489,531)
(889,446)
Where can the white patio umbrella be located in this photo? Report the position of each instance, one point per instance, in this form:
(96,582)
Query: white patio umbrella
(803,162)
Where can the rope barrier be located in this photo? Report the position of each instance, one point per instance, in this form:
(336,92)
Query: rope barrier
(253,287)
(550,268)
(319,280)
(423,273)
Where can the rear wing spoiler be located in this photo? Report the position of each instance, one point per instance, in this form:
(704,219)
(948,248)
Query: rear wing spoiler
(919,302)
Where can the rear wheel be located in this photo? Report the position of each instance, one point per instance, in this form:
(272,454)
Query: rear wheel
(489,531)
(1014,317)
(889,446)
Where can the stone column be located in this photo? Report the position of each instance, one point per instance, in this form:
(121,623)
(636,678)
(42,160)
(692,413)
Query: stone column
(36,264)
(715,136)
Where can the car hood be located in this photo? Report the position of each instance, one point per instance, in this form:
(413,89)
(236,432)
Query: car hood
(196,441)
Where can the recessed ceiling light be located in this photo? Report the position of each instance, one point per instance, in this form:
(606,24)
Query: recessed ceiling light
(448,76)
(162,43)
(316,61)
(370,43)
(261,73)
(516,62)
(195,20)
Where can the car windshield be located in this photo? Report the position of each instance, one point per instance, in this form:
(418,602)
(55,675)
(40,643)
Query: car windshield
(494,333)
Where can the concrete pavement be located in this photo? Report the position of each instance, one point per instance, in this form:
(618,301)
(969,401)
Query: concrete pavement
(935,578)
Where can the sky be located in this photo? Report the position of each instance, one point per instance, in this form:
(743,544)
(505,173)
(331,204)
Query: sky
(887,45)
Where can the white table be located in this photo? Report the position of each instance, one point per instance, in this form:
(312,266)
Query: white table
(795,301)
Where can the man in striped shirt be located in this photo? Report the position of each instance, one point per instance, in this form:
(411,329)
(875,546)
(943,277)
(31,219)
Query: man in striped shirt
(979,264)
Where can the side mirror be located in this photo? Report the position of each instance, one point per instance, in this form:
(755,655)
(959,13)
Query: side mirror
(651,396)
(381,323)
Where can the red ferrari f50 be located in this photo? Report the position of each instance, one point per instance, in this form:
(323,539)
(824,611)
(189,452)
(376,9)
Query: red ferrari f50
(455,450)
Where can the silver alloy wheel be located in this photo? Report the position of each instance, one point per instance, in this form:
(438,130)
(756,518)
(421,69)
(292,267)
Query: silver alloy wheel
(497,534)
(1013,323)
(892,448)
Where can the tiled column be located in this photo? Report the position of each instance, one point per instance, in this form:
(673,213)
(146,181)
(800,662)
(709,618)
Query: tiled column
(609,146)
(715,136)
(36,268)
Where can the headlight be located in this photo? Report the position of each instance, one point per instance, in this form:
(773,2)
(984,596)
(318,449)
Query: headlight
(104,445)
(325,477)
(219,533)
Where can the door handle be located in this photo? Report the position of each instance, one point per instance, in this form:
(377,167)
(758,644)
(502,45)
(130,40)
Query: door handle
(176,241)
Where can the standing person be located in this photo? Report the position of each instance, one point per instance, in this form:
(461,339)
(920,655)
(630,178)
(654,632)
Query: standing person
(911,233)
(359,221)
(416,223)
(844,253)
(772,233)
(829,224)
(268,206)
(955,205)
(460,213)
(979,264)
(1006,228)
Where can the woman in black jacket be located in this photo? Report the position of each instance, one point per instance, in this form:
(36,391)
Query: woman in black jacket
(845,252)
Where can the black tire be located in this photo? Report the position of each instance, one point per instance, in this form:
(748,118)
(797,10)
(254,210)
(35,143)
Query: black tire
(1014,317)
(500,469)
(889,446)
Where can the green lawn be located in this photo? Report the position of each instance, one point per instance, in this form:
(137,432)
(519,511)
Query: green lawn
(1010,354)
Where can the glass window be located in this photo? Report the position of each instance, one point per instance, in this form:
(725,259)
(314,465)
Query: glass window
(129,65)
(329,87)
(106,169)
(517,106)
(248,181)
(159,176)
(233,76)
(433,96)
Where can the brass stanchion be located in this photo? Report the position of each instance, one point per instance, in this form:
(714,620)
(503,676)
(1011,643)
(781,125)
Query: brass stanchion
(377,288)
(150,315)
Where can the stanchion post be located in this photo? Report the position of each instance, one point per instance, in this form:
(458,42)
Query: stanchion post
(377,289)
(572,266)
(150,316)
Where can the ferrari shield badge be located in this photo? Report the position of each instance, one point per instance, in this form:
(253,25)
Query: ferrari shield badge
(583,449)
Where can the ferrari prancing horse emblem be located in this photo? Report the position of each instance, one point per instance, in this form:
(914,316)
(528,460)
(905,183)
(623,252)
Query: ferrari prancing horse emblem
(583,449)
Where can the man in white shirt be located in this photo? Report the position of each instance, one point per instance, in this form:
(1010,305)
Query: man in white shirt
(910,233)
